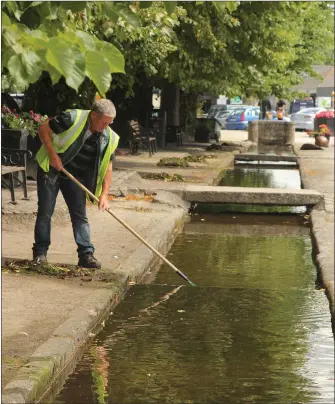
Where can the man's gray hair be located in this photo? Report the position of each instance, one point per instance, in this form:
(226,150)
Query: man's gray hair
(104,107)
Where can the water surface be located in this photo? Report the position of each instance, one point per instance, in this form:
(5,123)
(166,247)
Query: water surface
(254,330)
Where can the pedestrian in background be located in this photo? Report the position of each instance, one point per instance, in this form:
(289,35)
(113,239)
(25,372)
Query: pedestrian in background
(280,110)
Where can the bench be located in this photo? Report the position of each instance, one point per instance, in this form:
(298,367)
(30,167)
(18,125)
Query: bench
(174,133)
(142,136)
(14,162)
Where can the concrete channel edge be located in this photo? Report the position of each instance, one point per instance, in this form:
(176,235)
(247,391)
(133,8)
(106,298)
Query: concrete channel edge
(324,248)
(54,360)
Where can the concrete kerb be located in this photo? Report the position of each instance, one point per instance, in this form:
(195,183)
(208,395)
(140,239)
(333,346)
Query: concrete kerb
(324,260)
(49,365)
(324,247)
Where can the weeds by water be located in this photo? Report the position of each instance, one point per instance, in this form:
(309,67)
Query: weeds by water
(164,176)
(173,162)
(183,162)
(26,266)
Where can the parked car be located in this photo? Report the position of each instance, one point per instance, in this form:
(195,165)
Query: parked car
(221,118)
(304,119)
(300,104)
(239,118)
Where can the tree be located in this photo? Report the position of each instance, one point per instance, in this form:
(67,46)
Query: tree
(44,36)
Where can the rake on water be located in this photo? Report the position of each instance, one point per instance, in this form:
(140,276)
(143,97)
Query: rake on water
(129,228)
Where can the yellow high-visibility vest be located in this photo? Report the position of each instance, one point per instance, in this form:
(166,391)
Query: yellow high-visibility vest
(62,141)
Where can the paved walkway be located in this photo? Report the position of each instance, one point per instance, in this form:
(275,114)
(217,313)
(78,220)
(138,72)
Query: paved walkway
(317,172)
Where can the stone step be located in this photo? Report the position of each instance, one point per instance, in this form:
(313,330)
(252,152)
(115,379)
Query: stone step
(265,157)
(245,196)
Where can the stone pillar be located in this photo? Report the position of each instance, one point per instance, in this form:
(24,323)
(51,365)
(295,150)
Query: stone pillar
(253,131)
(289,134)
(279,133)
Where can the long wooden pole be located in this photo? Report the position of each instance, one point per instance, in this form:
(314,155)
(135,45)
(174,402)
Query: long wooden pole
(128,227)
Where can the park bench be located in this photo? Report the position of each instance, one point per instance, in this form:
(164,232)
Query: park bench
(174,134)
(142,136)
(14,163)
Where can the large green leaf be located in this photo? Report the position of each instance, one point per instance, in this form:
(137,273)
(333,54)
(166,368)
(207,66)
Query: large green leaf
(170,6)
(54,74)
(32,64)
(12,8)
(97,69)
(77,74)
(18,71)
(232,5)
(109,10)
(60,56)
(114,57)
(86,41)
(5,20)
(68,60)
(6,54)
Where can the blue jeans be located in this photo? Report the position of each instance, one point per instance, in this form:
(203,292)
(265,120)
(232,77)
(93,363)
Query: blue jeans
(47,191)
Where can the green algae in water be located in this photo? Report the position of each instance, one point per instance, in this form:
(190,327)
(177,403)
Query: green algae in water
(253,330)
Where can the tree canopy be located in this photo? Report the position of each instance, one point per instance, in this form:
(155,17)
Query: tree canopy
(234,48)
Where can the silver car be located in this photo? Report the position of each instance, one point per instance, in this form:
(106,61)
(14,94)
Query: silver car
(304,119)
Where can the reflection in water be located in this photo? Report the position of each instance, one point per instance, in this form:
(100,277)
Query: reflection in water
(254,330)
(256,178)
(261,178)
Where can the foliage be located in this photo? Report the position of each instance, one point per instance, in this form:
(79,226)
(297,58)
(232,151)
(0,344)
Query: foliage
(323,131)
(164,176)
(199,159)
(277,43)
(261,48)
(12,120)
(60,270)
(60,38)
(172,162)
(44,36)
(146,49)
(183,161)
(246,48)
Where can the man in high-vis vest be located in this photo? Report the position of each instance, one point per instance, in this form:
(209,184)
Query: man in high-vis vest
(82,142)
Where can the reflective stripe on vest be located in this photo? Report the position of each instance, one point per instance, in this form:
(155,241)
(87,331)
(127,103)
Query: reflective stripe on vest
(104,165)
(63,140)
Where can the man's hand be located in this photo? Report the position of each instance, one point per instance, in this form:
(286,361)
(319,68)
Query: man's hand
(103,202)
(56,162)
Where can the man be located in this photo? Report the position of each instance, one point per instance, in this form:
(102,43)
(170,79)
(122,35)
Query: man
(280,110)
(82,142)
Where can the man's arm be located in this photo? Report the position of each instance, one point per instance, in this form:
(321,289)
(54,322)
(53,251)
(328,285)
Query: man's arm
(44,132)
(103,200)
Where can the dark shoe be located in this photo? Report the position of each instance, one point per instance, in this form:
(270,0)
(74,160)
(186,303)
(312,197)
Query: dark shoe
(89,261)
(40,259)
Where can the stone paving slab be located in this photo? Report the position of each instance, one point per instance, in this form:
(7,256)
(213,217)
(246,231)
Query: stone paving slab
(317,172)
(244,195)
